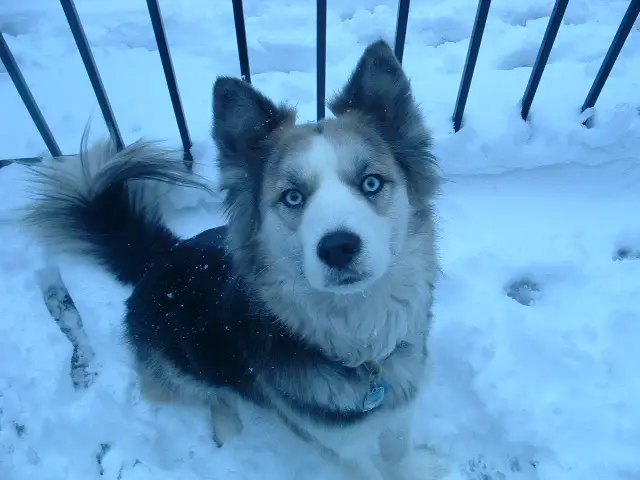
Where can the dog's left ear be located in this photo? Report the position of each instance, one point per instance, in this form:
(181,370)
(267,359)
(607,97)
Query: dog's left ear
(379,89)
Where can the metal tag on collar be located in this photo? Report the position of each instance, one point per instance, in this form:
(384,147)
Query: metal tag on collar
(374,398)
(377,387)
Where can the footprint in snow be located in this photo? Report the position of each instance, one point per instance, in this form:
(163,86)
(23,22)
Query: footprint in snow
(524,291)
(626,253)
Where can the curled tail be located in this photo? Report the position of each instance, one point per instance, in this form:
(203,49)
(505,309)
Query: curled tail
(105,204)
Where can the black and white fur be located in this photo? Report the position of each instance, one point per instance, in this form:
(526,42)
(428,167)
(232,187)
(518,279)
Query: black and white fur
(326,267)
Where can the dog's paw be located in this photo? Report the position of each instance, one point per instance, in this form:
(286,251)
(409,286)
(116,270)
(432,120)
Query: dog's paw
(226,424)
(361,470)
(422,464)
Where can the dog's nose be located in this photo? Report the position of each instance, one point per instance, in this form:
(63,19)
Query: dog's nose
(337,249)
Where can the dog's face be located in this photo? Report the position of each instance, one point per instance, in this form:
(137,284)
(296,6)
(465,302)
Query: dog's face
(334,205)
(329,204)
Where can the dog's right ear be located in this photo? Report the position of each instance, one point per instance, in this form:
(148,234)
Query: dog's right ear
(244,123)
(243,119)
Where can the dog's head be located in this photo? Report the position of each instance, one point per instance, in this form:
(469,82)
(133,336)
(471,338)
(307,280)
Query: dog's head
(329,203)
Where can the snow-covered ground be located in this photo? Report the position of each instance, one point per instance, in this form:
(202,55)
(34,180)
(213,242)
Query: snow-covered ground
(537,333)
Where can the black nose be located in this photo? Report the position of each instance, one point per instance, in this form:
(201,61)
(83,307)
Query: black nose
(337,249)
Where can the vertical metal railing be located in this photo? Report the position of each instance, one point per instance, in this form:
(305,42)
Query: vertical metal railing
(401,28)
(241,40)
(543,56)
(170,77)
(470,64)
(321,56)
(90,66)
(477,33)
(619,39)
(27,98)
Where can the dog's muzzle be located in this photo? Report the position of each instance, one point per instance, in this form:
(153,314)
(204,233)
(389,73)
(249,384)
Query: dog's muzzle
(339,249)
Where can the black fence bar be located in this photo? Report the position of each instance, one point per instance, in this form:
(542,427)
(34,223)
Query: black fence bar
(24,161)
(29,161)
(241,40)
(321,55)
(628,20)
(170,76)
(543,55)
(401,28)
(90,66)
(27,98)
(470,64)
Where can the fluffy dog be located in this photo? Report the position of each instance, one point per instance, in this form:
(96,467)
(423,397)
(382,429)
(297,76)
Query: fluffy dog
(314,300)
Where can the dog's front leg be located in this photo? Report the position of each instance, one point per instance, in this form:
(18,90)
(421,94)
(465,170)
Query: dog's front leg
(225,418)
(401,460)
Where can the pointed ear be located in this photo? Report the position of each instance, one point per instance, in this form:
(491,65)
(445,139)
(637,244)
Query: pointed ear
(377,87)
(244,118)
(379,90)
(244,123)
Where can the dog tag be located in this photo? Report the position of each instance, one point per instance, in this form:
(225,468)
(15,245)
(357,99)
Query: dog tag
(374,398)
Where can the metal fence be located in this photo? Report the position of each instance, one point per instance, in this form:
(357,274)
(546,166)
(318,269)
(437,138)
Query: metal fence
(77,30)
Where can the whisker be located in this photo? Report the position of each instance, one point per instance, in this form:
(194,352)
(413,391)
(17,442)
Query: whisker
(275,262)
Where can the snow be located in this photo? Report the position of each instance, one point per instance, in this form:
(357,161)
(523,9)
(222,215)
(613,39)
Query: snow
(537,327)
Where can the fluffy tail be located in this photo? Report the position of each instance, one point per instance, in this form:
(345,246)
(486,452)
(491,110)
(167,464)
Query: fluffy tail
(105,204)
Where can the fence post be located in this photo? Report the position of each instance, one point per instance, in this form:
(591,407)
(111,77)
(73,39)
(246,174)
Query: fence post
(90,66)
(170,77)
(241,40)
(622,33)
(543,55)
(470,64)
(321,56)
(27,98)
(401,28)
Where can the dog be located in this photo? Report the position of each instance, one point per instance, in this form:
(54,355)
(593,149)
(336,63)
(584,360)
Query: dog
(314,300)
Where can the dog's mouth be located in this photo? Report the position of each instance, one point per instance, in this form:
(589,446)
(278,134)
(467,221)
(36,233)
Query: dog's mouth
(346,281)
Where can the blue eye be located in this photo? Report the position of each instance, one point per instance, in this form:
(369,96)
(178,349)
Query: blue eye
(371,184)
(292,198)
